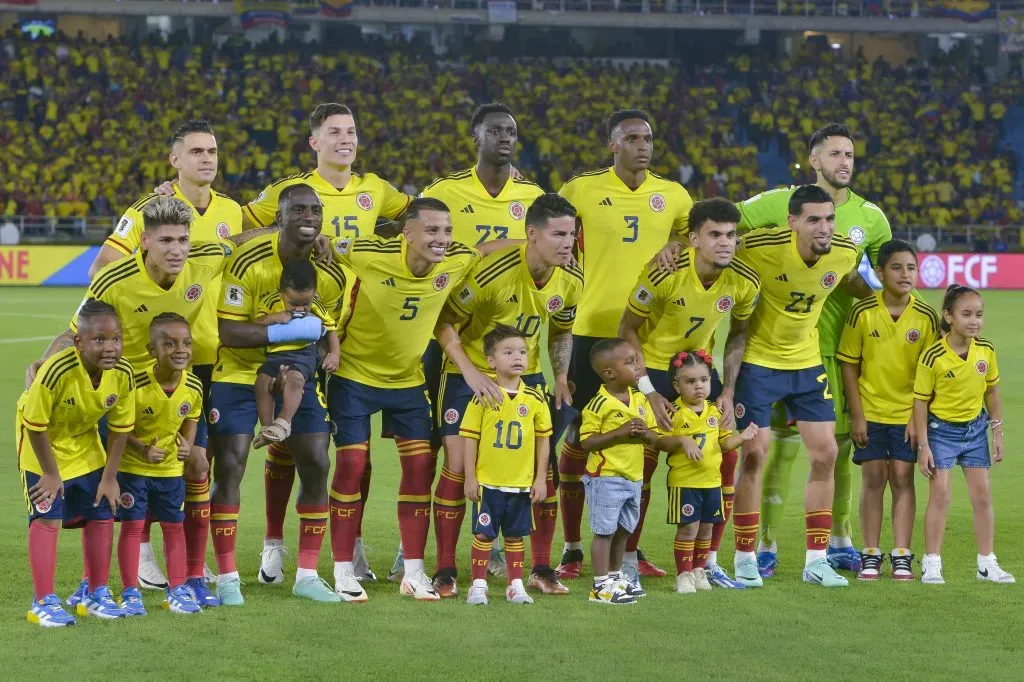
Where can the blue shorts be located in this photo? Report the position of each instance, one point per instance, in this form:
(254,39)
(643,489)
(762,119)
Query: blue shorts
(433,369)
(614,502)
(885,441)
(456,394)
(690,505)
(163,498)
(510,514)
(352,404)
(205,374)
(964,443)
(662,380)
(303,360)
(75,506)
(232,410)
(582,378)
(805,393)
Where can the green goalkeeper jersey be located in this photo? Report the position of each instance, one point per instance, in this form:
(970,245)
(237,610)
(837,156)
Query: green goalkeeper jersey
(856,218)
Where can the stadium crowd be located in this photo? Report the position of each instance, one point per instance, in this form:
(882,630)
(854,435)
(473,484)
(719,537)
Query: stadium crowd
(930,155)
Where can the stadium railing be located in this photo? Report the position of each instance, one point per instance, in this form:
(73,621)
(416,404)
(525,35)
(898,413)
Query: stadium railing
(94,229)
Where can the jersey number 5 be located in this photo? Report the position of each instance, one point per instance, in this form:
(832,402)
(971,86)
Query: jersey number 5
(410,307)
(800,300)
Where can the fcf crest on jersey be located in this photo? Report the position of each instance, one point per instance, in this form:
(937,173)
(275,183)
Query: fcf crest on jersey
(214,416)
(193,293)
(441,281)
(724,304)
(451,416)
(517,210)
(223,230)
(712,422)
(109,402)
(364,201)
(657,203)
(640,409)
(829,279)
(484,519)
(982,367)
(913,336)
(43,506)
(856,234)
(523,410)
(184,409)
(687,510)
(555,304)
(127,500)
(740,410)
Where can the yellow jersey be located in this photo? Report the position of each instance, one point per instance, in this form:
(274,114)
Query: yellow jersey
(606,413)
(393,312)
(221,219)
(620,230)
(508,435)
(159,415)
(681,314)
(705,428)
(887,351)
(351,211)
(272,303)
(252,274)
(63,402)
(955,388)
(126,285)
(500,290)
(478,217)
(783,333)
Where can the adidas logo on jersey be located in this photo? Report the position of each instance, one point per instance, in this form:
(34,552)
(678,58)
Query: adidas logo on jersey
(875,334)
(389,282)
(149,411)
(680,302)
(782,278)
(950,374)
(606,202)
(70,401)
(468,209)
(513,299)
(142,309)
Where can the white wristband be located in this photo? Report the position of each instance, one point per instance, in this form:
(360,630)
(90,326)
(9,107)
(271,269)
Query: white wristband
(645,385)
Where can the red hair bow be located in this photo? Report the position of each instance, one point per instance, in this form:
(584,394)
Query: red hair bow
(681,357)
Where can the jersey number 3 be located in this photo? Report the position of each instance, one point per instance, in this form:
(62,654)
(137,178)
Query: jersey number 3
(633,227)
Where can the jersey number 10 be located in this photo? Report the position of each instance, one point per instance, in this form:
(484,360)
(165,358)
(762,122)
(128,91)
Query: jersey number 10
(513,437)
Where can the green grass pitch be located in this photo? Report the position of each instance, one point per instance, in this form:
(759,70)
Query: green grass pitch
(788,630)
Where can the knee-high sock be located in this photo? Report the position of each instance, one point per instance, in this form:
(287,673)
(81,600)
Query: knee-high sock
(42,557)
(346,499)
(418,462)
(744,527)
(842,500)
(449,510)
(223,527)
(778,480)
(545,518)
(817,524)
(701,549)
(515,556)
(278,479)
(571,466)
(650,464)
(480,556)
(683,552)
(728,471)
(196,526)
(174,552)
(364,491)
(312,528)
(128,542)
(99,541)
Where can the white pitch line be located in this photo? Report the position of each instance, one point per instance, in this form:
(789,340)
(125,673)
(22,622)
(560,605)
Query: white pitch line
(27,339)
(39,316)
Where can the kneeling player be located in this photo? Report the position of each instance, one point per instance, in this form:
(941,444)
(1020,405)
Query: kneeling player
(290,366)
(506,456)
(884,337)
(695,460)
(65,475)
(616,425)
(168,402)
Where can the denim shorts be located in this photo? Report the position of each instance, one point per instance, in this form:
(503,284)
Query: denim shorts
(963,443)
(613,502)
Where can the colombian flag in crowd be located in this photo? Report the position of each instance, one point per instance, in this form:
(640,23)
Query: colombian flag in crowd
(968,10)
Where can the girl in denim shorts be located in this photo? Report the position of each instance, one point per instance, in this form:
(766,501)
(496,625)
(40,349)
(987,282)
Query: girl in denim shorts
(956,404)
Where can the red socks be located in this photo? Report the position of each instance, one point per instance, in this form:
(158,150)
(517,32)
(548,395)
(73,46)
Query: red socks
(42,556)
(818,524)
(449,510)
(223,524)
(278,478)
(700,553)
(683,551)
(346,507)
(545,518)
(196,526)
(312,528)
(571,466)
(128,552)
(99,541)
(481,555)
(418,462)
(515,555)
(745,529)
(174,552)
(728,471)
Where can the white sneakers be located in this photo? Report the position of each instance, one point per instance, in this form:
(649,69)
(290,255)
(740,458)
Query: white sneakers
(272,562)
(151,577)
(477,593)
(419,586)
(685,583)
(988,569)
(700,580)
(931,570)
(516,593)
(346,585)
